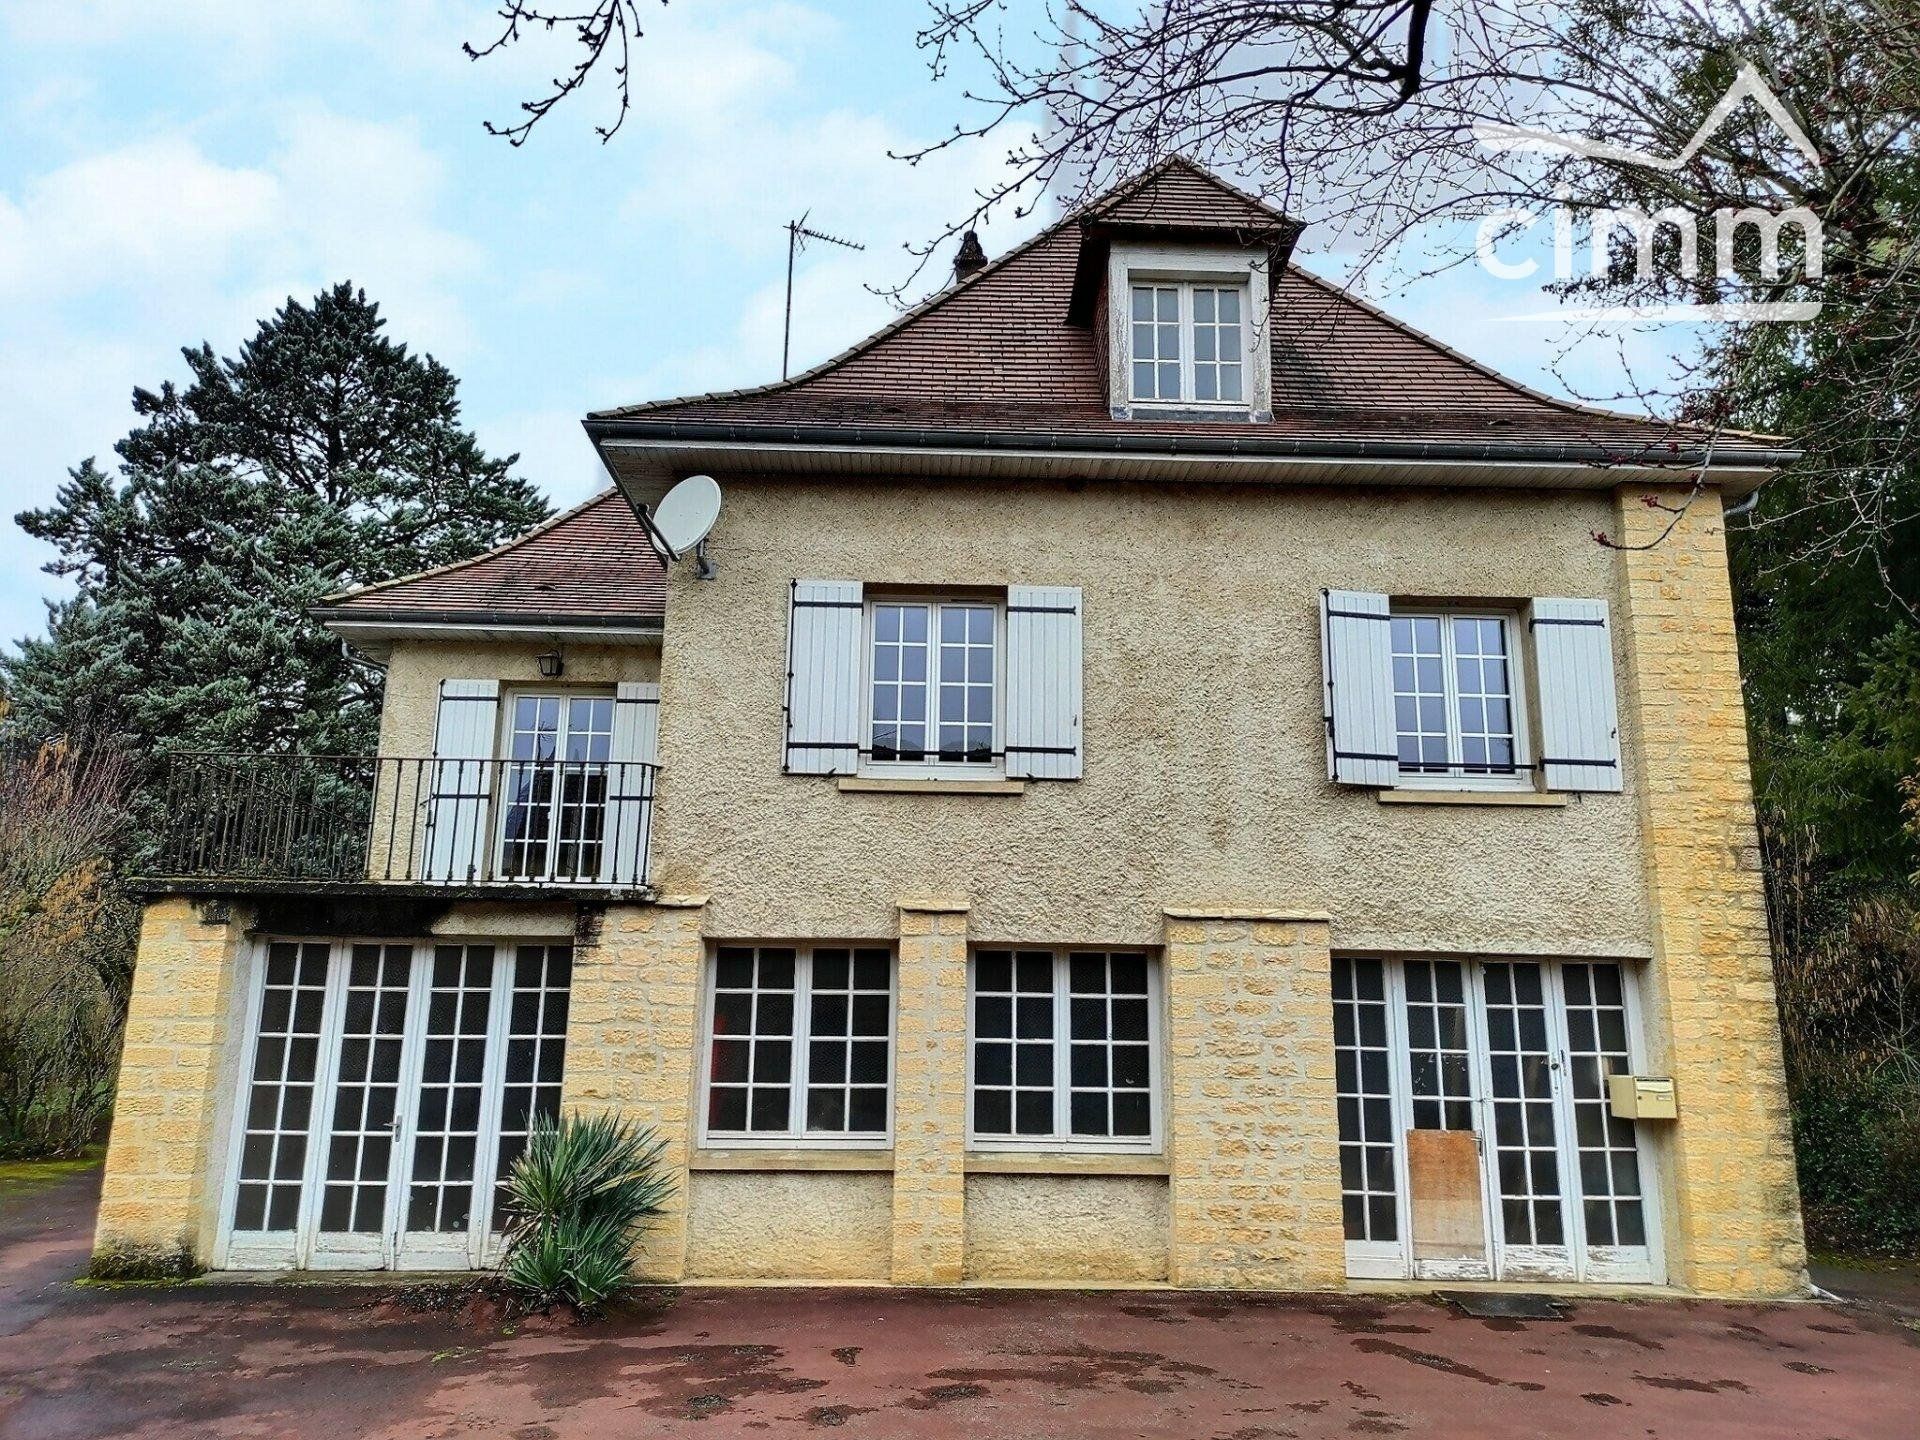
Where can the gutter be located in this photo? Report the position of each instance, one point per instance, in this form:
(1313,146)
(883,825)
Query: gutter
(1096,443)
(525,619)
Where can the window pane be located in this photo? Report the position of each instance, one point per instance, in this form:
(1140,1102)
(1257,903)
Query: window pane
(1483,704)
(1362,1100)
(1217,344)
(966,698)
(1420,705)
(850,1014)
(899,694)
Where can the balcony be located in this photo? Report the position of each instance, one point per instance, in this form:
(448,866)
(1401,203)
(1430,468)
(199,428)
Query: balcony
(298,821)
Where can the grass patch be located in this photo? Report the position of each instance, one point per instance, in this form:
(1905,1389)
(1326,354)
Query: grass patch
(18,1177)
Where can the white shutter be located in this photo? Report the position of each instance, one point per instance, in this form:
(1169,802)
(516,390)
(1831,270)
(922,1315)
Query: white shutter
(460,781)
(1579,724)
(1356,657)
(634,752)
(1043,682)
(824,626)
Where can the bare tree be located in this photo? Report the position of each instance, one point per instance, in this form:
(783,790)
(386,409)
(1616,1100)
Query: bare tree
(602,33)
(66,932)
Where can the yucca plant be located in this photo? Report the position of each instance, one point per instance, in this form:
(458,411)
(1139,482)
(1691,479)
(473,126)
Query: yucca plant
(578,1196)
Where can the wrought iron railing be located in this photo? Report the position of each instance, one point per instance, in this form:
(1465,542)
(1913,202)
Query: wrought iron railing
(431,821)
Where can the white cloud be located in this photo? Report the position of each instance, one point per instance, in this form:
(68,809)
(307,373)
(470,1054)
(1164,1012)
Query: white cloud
(157,210)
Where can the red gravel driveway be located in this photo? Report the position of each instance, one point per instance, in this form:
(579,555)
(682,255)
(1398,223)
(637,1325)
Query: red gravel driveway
(306,1360)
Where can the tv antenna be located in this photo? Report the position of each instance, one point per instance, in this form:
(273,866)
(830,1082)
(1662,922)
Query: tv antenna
(798,233)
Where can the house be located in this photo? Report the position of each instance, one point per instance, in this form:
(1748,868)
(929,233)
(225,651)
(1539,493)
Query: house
(1159,782)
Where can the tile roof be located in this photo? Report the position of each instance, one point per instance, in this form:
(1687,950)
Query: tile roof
(593,563)
(997,350)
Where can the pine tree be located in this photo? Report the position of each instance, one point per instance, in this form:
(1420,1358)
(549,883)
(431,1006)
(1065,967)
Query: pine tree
(323,455)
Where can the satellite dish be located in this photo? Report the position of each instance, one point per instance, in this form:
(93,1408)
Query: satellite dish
(686,513)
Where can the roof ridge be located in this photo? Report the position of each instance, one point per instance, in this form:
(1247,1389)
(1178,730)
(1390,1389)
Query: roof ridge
(1177,161)
(598,497)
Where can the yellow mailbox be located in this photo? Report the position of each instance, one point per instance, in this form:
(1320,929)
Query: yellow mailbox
(1642,1097)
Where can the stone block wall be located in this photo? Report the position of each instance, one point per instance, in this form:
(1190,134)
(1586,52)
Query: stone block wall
(1733,1221)
(177,1075)
(1252,1130)
(632,1035)
(930,1095)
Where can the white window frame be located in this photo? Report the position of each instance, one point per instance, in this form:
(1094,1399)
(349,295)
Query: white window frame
(935,769)
(1186,266)
(1518,684)
(1062,1140)
(1183,290)
(796,1136)
(503,762)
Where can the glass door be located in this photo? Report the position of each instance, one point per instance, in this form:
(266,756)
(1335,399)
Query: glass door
(1520,1072)
(554,787)
(390,1087)
(454,1108)
(1476,1136)
(363,1116)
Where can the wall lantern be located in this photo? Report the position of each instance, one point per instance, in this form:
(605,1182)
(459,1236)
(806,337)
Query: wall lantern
(552,666)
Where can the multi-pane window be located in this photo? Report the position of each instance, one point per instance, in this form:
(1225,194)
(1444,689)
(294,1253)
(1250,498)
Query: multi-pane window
(800,1043)
(536,1054)
(1189,343)
(1454,697)
(286,1064)
(1614,1210)
(555,787)
(934,679)
(1064,1048)
(1438,1051)
(1363,1095)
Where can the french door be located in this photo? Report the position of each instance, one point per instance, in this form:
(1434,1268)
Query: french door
(1476,1137)
(389,1088)
(554,790)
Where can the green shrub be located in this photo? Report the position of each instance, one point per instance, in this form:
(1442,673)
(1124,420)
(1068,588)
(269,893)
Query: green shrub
(578,1196)
(1858,1143)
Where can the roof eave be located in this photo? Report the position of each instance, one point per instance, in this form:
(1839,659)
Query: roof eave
(1661,454)
(336,617)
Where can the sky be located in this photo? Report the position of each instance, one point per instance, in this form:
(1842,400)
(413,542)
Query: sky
(172,173)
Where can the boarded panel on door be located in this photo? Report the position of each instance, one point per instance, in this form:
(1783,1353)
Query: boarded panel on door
(1443,1176)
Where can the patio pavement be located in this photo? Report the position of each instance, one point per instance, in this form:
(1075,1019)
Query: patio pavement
(225,1359)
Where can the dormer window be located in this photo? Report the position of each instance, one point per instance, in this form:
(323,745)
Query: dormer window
(1188,332)
(1189,344)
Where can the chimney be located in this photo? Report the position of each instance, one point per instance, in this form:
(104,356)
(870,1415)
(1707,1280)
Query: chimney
(971,260)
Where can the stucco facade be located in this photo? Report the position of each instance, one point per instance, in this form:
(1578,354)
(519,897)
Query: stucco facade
(1205,778)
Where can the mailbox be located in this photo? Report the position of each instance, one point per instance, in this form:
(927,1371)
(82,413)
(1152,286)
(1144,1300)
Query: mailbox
(1642,1097)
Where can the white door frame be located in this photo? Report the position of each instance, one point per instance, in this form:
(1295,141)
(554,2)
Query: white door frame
(304,1247)
(1574,1260)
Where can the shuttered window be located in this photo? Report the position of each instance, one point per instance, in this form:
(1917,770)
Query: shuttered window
(911,684)
(1424,696)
